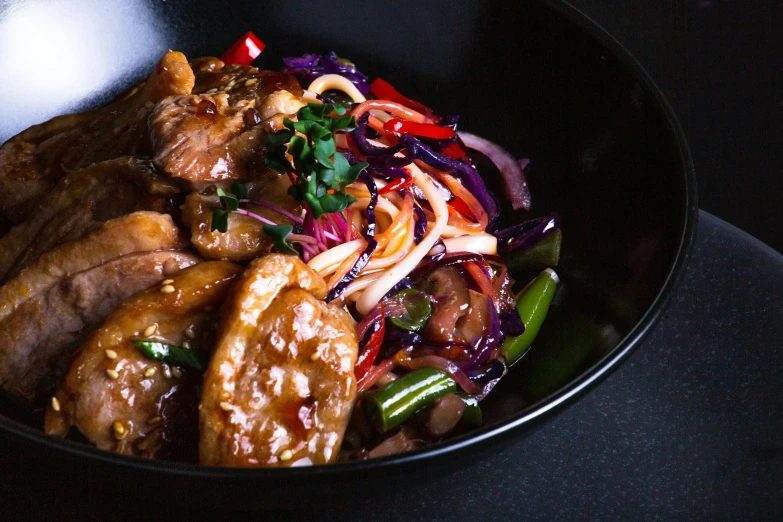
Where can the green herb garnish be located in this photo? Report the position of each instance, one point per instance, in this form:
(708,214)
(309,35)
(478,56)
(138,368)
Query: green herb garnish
(172,354)
(322,173)
(230,203)
(278,235)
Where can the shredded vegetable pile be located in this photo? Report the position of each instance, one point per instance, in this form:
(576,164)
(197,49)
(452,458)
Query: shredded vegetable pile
(394,208)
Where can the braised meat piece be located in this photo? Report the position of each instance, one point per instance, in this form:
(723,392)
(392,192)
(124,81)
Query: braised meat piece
(38,338)
(32,162)
(245,238)
(280,387)
(52,304)
(458,313)
(149,409)
(79,204)
(217,135)
(134,233)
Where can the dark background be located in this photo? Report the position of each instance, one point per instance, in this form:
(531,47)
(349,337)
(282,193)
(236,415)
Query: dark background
(720,64)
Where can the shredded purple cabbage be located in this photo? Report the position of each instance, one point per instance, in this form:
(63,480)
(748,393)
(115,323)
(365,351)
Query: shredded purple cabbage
(420,227)
(354,272)
(359,135)
(511,324)
(373,188)
(494,369)
(526,234)
(402,284)
(310,66)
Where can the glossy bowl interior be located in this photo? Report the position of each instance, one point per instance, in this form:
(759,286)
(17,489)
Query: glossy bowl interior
(541,80)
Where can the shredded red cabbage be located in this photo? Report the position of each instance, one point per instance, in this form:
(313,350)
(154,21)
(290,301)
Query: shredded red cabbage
(526,234)
(359,135)
(494,369)
(511,324)
(428,264)
(420,227)
(354,272)
(373,188)
(308,67)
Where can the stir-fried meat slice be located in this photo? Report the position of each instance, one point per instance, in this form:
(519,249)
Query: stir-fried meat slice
(138,232)
(39,337)
(280,387)
(32,162)
(156,411)
(79,204)
(245,238)
(216,135)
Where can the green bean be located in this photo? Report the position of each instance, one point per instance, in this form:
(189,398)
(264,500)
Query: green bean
(472,416)
(399,400)
(543,254)
(532,307)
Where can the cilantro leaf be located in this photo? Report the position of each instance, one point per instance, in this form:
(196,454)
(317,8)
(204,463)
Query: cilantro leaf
(239,190)
(219,220)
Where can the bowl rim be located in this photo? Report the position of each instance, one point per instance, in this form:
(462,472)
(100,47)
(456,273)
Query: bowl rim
(537,411)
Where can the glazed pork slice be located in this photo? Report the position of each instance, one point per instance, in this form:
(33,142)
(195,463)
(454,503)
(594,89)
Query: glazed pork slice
(142,231)
(32,162)
(280,387)
(39,337)
(149,409)
(245,238)
(80,203)
(217,135)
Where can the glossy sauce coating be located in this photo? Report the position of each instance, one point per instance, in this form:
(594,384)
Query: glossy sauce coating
(280,387)
(156,408)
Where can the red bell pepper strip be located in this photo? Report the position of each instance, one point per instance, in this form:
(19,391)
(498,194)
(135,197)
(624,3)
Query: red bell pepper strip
(383,90)
(426,130)
(244,51)
(370,352)
(397,184)
(461,208)
(454,151)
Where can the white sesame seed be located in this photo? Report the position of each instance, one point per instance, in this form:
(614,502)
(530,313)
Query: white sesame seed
(119,430)
(111,354)
(189,333)
(112,374)
(286,455)
(225,406)
(186,345)
(176,372)
(155,420)
(166,289)
(167,281)
(149,372)
(315,356)
(166,371)
(250,82)
(55,404)
(150,330)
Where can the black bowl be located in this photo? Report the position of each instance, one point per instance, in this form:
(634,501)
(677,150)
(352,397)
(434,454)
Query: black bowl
(542,80)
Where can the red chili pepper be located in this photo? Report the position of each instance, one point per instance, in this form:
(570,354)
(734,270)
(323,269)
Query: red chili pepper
(426,130)
(397,184)
(244,51)
(370,352)
(454,151)
(383,90)
(461,208)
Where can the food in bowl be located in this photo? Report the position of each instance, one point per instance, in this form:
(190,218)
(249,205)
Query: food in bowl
(253,268)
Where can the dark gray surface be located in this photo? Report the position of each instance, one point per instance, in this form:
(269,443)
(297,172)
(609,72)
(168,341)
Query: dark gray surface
(688,428)
(718,63)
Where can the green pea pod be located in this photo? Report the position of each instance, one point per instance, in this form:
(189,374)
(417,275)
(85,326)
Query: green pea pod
(532,307)
(399,400)
(417,311)
(543,254)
